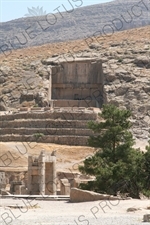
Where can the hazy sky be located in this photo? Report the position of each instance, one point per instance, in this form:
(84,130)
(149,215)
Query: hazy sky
(13,9)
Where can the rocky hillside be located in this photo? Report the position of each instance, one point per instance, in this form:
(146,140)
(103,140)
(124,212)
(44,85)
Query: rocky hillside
(75,23)
(126,65)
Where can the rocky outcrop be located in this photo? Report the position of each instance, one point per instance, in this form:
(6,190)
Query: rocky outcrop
(78,195)
(127,84)
(126,70)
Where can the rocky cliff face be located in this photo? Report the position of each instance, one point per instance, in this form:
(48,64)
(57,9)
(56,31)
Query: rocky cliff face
(74,23)
(126,66)
(127,82)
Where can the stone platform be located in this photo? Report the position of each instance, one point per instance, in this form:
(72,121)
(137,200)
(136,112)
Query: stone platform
(66,126)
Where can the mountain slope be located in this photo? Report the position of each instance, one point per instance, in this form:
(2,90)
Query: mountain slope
(79,22)
(126,65)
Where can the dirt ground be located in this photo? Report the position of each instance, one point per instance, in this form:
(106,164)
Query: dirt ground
(14,155)
(66,213)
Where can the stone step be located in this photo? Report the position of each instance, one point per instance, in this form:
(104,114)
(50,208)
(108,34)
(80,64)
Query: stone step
(38,197)
(57,139)
(64,115)
(46,131)
(43,123)
(73,103)
(59,125)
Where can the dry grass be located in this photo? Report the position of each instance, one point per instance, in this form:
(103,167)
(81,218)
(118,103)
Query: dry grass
(39,52)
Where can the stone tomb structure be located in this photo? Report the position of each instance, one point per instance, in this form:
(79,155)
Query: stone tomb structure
(42,174)
(75,82)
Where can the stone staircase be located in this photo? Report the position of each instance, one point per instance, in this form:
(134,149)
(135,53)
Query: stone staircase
(66,126)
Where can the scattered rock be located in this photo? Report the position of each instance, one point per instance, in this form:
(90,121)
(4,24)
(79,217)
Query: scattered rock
(121,91)
(6,90)
(27,96)
(147,90)
(94,46)
(115,44)
(133,209)
(142,61)
(2,79)
(110,77)
(4,70)
(146,218)
(42,71)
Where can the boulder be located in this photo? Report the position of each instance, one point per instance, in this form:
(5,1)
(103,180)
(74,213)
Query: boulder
(121,90)
(110,77)
(2,79)
(95,46)
(142,61)
(4,70)
(146,89)
(3,107)
(132,209)
(27,96)
(6,90)
(78,195)
(146,218)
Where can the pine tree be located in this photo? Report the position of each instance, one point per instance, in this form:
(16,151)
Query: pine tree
(146,174)
(116,165)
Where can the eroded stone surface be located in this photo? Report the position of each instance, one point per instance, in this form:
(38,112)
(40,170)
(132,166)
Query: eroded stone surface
(78,195)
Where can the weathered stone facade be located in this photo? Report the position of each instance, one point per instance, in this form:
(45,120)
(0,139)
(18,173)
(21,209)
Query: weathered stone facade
(2,180)
(42,174)
(64,187)
(76,81)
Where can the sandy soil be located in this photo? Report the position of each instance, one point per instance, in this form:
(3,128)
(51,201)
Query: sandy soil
(14,155)
(65,213)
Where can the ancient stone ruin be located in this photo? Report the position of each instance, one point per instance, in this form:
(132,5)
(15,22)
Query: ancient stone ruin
(65,126)
(18,184)
(75,82)
(2,180)
(75,89)
(42,174)
(41,178)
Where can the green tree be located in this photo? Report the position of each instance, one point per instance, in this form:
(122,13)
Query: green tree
(116,165)
(146,174)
